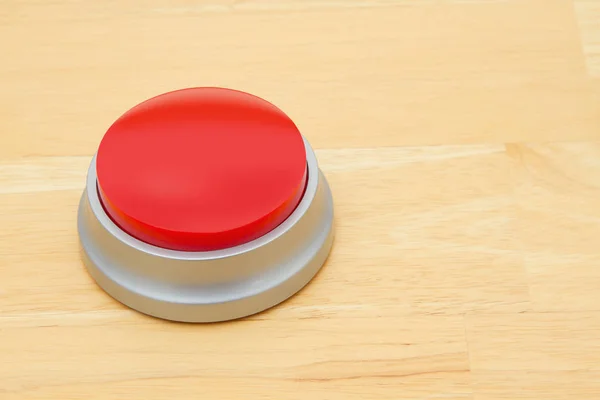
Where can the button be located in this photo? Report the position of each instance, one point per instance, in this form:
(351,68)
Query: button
(204,205)
(201,169)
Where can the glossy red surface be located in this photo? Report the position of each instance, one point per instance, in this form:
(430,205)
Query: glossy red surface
(201,169)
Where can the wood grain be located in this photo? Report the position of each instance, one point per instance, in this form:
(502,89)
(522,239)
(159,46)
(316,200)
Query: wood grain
(588,15)
(461,139)
(558,194)
(249,358)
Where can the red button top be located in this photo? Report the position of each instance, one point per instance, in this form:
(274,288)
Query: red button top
(201,169)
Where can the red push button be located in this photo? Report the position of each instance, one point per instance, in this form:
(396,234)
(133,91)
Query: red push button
(201,169)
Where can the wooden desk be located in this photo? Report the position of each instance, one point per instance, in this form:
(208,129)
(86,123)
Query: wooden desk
(461,140)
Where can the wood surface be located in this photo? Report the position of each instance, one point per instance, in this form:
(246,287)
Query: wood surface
(461,139)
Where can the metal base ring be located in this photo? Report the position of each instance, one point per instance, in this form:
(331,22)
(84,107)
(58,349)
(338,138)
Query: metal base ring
(213,285)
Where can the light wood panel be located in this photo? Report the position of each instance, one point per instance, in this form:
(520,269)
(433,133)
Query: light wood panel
(588,15)
(534,341)
(559,197)
(350,74)
(254,359)
(530,385)
(534,355)
(455,237)
(461,139)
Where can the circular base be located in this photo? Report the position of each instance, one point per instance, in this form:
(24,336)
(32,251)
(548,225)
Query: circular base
(213,285)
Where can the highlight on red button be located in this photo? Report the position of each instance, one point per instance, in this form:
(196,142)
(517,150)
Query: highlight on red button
(201,169)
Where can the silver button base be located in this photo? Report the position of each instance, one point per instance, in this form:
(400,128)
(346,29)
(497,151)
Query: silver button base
(214,285)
